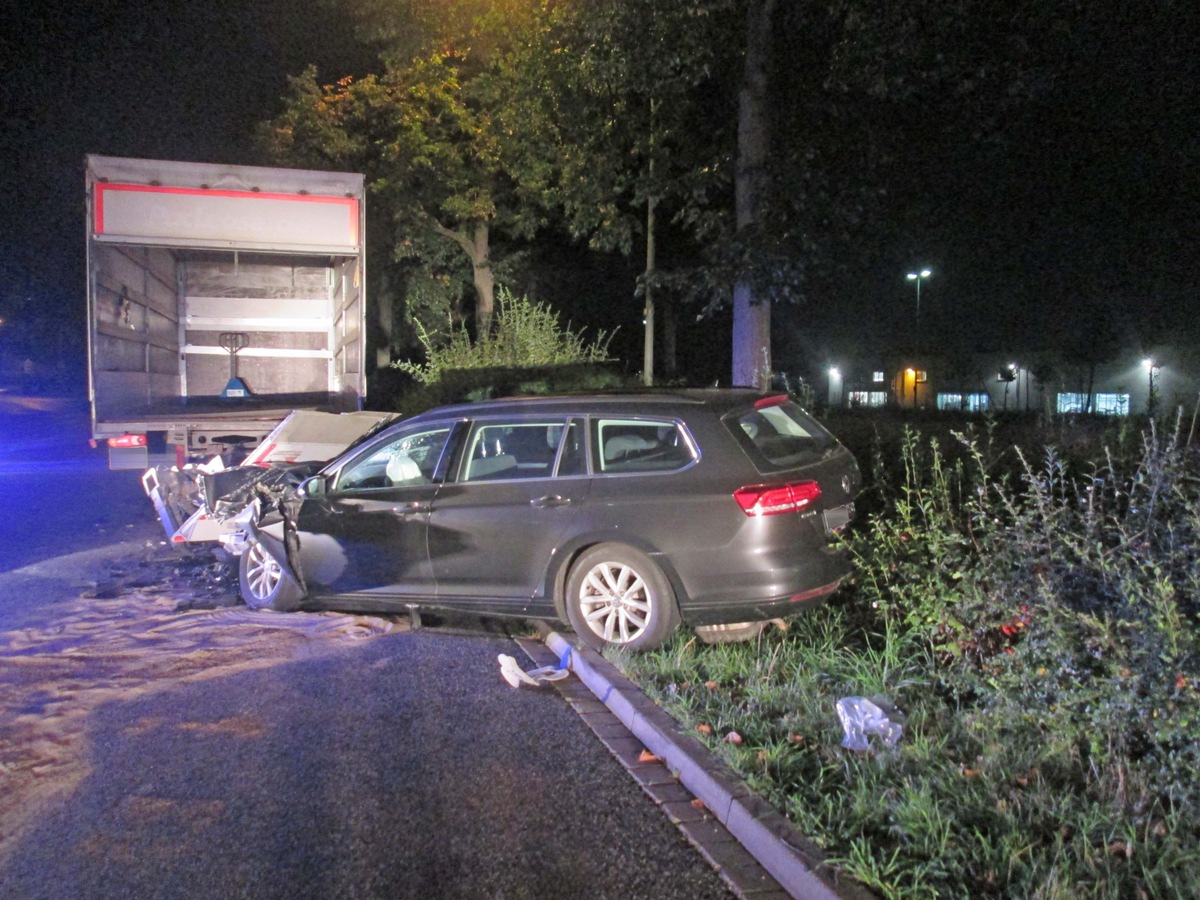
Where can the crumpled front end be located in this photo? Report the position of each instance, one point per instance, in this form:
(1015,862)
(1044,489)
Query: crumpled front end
(268,518)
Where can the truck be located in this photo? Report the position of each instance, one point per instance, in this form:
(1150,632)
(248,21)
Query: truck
(221,298)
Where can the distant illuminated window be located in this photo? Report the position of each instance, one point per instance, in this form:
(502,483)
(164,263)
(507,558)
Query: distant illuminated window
(877,377)
(1112,404)
(970,402)
(921,376)
(1071,403)
(868,398)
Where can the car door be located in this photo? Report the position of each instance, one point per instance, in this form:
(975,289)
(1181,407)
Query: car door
(366,536)
(495,527)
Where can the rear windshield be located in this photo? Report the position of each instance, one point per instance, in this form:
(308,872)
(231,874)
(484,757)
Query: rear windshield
(781,435)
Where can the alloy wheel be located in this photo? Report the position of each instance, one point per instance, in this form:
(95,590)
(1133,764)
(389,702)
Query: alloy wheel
(263,574)
(615,602)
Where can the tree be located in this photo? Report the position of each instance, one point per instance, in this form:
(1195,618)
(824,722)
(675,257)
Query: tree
(634,112)
(446,137)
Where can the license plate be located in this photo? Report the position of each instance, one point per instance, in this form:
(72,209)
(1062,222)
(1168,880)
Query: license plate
(838,517)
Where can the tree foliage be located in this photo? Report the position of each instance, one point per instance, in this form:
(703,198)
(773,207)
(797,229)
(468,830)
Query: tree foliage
(446,133)
(493,122)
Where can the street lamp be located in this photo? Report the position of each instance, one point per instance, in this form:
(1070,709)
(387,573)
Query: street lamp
(835,387)
(918,277)
(1151,368)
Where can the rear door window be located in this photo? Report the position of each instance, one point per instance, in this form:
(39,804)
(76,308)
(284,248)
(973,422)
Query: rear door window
(509,449)
(780,435)
(640,445)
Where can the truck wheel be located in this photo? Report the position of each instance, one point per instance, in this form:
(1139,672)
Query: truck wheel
(617,597)
(264,584)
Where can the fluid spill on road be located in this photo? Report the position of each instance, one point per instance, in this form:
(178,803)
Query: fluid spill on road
(130,636)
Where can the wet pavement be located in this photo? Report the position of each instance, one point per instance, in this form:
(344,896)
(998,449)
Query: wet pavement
(159,740)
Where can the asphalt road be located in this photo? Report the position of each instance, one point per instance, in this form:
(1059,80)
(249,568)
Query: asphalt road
(395,765)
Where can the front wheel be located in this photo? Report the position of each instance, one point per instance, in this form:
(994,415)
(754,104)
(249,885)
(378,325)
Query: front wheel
(618,597)
(264,584)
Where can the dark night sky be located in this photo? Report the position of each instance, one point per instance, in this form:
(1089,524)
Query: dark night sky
(1078,202)
(153,78)
(1085,200)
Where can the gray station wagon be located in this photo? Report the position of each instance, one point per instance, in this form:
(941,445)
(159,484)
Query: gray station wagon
(623,515)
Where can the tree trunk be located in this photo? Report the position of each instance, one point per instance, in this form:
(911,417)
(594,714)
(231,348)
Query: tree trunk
(648,312)
(485,281)
(386,317)
(476,246)
(752,316)
(666,309)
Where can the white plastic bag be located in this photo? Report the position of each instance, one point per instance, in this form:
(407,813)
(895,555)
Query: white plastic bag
(862,717)
(511,671)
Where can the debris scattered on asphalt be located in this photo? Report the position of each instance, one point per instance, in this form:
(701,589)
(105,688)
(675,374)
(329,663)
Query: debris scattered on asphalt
(512,672)
(134,630)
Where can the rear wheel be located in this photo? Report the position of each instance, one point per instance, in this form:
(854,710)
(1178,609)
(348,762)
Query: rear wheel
(617,596)
(264,584)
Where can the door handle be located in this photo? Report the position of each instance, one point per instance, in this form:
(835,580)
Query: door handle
(408,509)
(550,501)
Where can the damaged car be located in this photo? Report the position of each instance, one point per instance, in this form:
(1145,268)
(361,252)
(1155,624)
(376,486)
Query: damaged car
(624,515)
(194,502)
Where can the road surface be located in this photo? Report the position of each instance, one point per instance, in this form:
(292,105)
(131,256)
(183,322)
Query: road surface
(161,742)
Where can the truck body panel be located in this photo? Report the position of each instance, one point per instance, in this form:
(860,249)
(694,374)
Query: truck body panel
(187,261)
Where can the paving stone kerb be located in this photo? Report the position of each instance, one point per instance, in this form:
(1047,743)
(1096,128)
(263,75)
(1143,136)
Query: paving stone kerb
(794,861)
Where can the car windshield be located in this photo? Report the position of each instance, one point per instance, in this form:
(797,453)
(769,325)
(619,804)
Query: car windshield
(780,434)
(371,432)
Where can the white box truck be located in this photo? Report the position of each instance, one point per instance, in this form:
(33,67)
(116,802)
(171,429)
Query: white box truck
(220,299)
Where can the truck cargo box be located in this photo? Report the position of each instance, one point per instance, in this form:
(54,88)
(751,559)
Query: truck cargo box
(220,299)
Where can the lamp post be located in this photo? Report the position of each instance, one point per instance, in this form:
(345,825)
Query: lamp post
(918,277)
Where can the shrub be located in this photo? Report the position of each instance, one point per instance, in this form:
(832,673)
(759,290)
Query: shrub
(525,334)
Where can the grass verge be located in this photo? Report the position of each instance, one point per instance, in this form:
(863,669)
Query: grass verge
(1037,630)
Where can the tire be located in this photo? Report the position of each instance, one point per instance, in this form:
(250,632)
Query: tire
(263,582)
(617,597)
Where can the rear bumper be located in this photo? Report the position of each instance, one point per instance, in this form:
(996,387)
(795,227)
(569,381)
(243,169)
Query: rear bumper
(769,592)
(759,610)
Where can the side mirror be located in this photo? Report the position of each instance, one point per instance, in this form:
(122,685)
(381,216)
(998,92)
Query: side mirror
(314,487)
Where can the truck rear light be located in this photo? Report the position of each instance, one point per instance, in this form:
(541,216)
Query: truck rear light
(774,499)
(127,441)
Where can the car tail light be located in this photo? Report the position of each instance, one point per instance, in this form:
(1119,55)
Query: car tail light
(127,441)
(773,499)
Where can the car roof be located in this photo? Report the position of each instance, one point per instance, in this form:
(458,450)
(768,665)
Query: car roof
(650,401)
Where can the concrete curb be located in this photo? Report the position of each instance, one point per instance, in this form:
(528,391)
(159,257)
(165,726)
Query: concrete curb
(793,860)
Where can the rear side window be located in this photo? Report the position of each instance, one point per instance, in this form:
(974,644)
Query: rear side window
(640,445)
(780,434)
